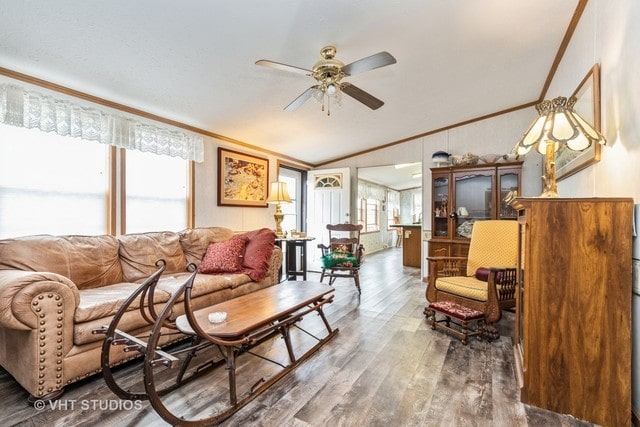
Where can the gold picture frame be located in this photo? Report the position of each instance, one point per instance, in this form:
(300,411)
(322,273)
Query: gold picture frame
(242,179)
(587,93)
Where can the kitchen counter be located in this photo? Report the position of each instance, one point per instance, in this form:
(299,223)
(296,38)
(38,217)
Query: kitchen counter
(411,244)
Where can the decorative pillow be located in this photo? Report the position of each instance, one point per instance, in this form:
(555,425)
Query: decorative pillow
(194,241)
(223,257)
(339,259)
(482,273)
(257,253)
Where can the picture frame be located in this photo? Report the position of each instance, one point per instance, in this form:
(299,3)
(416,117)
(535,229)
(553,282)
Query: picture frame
(242,179)
(587,93)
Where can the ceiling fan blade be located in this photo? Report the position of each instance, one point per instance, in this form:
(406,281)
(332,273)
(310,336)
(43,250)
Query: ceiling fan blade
(362,96)
(369,63)
(304,97)
(284,67)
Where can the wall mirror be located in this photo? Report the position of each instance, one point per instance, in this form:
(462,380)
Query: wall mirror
(588,106)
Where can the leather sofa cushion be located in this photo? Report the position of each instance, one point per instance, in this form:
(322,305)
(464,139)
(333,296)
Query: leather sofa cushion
(88,261)
(139,253)
(203,283)
(194,241)
(105,301)
(130,321)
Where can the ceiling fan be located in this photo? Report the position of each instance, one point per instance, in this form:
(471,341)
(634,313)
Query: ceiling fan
(329,73)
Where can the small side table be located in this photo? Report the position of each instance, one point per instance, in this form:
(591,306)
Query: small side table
(293,258)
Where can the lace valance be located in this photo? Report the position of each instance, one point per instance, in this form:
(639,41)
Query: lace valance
(368,190)
(23,108)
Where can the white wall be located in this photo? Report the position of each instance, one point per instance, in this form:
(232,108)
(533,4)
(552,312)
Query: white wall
(608,34)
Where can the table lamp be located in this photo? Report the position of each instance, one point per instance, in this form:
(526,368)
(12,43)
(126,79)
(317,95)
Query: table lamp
(557,125)
(278,194)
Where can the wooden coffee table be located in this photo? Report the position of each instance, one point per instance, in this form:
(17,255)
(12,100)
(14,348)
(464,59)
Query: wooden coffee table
(251,319)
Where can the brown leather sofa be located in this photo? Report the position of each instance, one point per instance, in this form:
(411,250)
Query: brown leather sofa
(56,290)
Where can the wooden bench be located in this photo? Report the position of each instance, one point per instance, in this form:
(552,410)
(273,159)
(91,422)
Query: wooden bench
(464,317)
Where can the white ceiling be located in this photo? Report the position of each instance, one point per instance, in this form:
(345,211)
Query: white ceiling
(194,62)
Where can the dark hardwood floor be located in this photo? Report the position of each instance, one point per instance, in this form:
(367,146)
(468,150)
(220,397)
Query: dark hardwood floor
(385,367)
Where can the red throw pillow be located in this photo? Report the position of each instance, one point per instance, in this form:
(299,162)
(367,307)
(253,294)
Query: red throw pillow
(257,253)
(482,273)
(223,257)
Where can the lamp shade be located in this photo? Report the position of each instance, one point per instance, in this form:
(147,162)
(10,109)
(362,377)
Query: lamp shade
(560,125)
(557,125)
(278,193)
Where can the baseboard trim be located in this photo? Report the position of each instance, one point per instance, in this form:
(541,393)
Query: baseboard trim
(635,417)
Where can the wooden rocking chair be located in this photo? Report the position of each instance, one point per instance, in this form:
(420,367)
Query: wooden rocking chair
(344,255)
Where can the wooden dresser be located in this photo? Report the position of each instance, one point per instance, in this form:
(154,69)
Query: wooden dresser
(573,318)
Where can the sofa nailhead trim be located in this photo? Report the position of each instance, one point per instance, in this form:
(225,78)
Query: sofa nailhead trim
(43,343)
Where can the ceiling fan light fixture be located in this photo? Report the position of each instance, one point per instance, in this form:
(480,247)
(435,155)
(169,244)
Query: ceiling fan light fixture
(328,73)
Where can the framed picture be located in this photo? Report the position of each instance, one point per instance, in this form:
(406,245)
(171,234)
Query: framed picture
(242,179)
(587,106)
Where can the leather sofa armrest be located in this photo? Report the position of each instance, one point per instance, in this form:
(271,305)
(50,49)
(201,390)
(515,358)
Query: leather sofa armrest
(274,265)
(29,297)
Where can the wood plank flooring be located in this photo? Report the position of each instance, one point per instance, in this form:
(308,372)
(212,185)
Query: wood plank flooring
(385,367)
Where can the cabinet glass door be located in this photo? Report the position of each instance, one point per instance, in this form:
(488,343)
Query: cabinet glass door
(440,208)
(508,181)
(473,200)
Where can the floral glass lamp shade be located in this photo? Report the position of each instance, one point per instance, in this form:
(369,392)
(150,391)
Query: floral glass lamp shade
(277,195)
(557,125)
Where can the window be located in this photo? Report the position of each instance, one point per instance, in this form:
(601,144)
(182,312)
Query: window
(156,192)
(417,207)
(294,211)
(51,184)
(369,215)
(393,208)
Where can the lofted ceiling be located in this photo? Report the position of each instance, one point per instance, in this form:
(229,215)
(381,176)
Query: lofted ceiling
(194,62)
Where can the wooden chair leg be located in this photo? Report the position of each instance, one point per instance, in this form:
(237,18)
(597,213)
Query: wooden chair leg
(356,277)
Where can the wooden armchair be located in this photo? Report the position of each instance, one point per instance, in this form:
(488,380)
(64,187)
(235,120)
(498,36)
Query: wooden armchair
(344,255)
(485,280)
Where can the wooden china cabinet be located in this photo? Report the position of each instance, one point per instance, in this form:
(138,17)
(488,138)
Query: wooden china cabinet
(461,195)
(573,307)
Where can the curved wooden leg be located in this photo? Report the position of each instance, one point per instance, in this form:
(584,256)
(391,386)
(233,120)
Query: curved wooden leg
(431,317)
(356,277)
(490,332)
